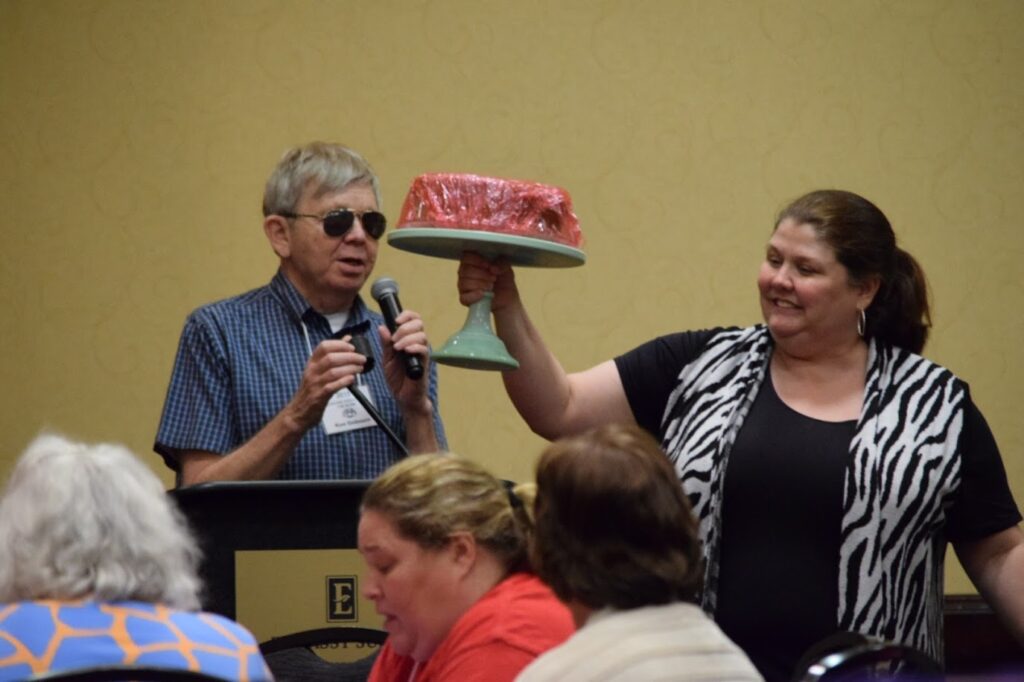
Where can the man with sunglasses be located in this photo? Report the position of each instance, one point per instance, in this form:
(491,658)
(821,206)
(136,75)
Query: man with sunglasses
(258,387)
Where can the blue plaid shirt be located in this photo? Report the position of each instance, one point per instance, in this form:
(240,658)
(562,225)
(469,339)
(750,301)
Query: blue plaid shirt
(240,361)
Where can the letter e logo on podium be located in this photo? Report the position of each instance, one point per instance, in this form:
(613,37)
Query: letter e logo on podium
(341,598)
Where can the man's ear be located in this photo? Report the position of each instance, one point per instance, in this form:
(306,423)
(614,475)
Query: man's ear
(278,234)
(462,551)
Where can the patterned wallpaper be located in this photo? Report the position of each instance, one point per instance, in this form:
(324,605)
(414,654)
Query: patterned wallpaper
(136,136)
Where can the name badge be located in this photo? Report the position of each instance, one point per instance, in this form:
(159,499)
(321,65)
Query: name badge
(344,413)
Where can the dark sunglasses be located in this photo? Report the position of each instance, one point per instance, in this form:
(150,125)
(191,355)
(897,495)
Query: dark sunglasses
(338,222)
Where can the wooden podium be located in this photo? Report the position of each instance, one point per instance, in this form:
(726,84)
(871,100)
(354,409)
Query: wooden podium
(279,556)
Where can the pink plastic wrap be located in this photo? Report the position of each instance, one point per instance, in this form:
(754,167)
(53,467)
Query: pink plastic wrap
(476,202)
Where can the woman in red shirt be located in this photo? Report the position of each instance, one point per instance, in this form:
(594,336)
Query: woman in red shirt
(445,543)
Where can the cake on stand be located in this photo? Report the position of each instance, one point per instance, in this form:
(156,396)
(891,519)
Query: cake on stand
(432,224)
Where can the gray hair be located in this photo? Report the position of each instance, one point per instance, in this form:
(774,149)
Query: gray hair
(93,521)
(328,167)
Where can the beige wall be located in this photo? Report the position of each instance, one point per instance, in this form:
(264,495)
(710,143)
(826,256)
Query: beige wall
(135,138)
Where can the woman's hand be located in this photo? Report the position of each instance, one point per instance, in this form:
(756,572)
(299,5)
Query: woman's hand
(477,275)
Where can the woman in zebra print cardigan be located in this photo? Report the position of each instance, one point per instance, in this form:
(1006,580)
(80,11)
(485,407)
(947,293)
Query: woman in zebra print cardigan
(827,462)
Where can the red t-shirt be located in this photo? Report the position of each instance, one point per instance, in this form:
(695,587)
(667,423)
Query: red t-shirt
(519,619)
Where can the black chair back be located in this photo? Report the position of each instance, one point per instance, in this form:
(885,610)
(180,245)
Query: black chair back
(321,636)
(291,658)
(850,657)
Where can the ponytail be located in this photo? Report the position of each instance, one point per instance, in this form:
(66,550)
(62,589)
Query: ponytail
(521,497)
(900,314)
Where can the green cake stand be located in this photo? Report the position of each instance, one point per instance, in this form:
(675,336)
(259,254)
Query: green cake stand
(476,346)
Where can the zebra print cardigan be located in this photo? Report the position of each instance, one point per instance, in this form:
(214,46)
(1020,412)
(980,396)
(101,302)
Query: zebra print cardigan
(903,471)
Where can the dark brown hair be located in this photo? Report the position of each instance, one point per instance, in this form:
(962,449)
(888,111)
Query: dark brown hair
(613,526)
(864,242)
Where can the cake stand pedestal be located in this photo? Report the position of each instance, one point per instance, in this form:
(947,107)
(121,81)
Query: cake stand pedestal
(476,346)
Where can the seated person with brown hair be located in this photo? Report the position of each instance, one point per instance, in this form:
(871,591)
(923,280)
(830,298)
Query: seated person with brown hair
(445,544)
(98,568)
(616,540)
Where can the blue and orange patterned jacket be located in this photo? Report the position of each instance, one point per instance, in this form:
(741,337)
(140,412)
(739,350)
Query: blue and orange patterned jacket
(41,636)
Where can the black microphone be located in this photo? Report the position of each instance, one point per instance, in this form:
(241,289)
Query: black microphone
(385,292)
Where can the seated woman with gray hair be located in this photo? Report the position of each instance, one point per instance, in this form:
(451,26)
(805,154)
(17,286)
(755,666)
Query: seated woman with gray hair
(445,544)
(616,540)
(99,568)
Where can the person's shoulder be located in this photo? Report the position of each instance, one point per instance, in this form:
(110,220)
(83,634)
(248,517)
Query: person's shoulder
(238,630)
(17,616)
(189,621)
(649,642)
(233,310)
(906,364)
(554,665)
(507,628)
(207,629)
(754,333)
(702,335)
(680,617)
(519,601)
(691,343)
(199,626)
(234,303)
(523,585)
(525,608)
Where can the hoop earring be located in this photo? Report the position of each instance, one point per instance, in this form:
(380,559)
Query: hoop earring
(862,322)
